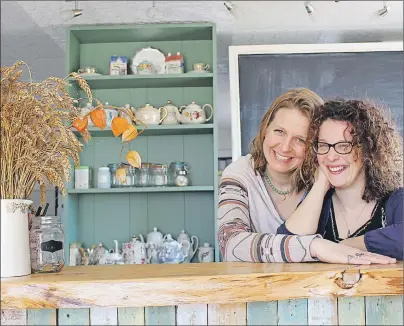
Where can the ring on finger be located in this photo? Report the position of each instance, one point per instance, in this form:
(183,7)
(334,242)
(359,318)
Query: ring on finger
(349,258)
(358,255)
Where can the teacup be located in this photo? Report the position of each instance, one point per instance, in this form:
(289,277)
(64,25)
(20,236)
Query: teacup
(201,67)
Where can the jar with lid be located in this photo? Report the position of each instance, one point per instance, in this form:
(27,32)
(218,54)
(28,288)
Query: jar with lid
(179,174)
(104,177)
(144,175)
(46,244)
(82,177)
(130,180)
(158,175)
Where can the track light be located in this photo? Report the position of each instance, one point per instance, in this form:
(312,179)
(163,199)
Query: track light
(309,7)
(232,8)
(384,11)
(70,14)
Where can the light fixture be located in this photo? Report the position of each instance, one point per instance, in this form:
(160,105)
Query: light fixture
(309,7)
(70,14)
(232,9)
(153,11)
(384,11)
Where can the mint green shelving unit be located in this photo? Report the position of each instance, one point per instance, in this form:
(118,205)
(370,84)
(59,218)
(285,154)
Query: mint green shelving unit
(102,215)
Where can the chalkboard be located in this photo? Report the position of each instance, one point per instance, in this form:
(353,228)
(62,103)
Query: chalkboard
(377,76)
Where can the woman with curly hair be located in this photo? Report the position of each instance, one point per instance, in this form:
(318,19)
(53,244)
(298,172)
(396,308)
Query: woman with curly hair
(359,151)
(261,190)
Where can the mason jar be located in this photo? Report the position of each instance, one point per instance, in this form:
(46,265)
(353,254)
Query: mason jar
(46,244)
(158,175)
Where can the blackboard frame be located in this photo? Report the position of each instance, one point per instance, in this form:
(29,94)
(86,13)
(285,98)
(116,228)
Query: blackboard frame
(236,51)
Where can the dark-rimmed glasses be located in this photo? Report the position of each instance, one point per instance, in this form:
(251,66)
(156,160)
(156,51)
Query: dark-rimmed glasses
(342,147)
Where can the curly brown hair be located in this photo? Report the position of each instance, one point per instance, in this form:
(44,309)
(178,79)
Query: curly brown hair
(375,134)
(301,99)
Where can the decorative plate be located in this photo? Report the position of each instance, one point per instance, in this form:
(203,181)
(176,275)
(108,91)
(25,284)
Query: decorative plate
(148,61)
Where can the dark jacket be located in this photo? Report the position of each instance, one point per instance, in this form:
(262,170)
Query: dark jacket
(386,241)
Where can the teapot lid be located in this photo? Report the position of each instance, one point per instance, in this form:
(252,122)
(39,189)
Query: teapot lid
(155,230)
(206,245)
(182,232)
(169,237)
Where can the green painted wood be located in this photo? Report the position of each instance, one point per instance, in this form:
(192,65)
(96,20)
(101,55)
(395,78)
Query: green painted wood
(322,311)
(262,313)
(197,51)
(68,316)
(192,314)
(103,316)
(351,311)
(384,310)
(131,316)
(292,312)
(85,221)
(160,315)
(142,32)
(41,317)
(138,213)
(13,317)
(73,51)
(69,212)
(140,190)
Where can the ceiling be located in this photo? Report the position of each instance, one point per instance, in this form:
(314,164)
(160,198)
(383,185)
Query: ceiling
(36,30)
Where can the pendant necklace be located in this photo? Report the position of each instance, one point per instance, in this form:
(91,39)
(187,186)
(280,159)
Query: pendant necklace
(280,192)
(345,220)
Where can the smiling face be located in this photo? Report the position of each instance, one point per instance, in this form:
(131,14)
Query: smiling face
(285,140)
(342,170)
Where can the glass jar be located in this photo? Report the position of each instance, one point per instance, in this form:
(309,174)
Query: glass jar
(131,175)
(179,174)
(158,175)
(115,183)
(104,177)
(144,175)
(46,244)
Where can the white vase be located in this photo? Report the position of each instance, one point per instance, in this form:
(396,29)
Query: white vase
(15,254)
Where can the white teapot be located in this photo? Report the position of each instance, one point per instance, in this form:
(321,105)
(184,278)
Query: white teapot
(150,115)
(173,115)
(193,113)
(194,241)
(139,250)
(154,240)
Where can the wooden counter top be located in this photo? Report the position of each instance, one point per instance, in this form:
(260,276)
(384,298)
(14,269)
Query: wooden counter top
(162,285)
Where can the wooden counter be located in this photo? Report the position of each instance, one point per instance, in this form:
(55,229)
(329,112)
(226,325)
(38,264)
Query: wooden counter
(207,287)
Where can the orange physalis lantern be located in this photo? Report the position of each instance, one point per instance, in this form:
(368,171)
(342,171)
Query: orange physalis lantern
(121,175)
(119,125)
(80,124)
(130,133)
(134,159)
(99,118)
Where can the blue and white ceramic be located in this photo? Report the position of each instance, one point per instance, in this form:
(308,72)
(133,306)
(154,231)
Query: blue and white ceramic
(171,251)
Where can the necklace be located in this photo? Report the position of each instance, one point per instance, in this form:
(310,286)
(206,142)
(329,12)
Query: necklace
(345,220)
(280,192)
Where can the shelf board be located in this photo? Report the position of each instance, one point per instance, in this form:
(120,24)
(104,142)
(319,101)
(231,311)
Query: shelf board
(139,189)
(159,130)
(149,81)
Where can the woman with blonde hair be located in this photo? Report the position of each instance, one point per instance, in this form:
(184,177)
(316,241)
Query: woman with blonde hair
(261,190)
(359,150)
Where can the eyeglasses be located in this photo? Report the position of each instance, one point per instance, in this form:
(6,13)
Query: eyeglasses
(340,147)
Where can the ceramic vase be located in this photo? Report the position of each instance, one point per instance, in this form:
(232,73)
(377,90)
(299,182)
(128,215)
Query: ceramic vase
(15,252)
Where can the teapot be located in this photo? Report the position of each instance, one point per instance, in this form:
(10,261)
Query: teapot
(171,251)
(154,240)
(193,113)
(150,115)
(173,116)
(139,250)
(194,241)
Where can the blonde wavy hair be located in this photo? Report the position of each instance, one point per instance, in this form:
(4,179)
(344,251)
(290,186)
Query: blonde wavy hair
(374,133)
(301,99)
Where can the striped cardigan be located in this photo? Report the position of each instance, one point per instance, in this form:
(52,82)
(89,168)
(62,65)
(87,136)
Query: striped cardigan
(248,220)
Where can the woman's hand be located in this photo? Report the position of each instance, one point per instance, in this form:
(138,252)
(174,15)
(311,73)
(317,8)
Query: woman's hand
(321,179)
(331,252)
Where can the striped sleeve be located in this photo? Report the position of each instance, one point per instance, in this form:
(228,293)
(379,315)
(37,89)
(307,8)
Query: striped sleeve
(239,240)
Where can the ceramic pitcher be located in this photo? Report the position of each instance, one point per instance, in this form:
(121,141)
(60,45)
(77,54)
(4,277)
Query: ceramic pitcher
(194,241)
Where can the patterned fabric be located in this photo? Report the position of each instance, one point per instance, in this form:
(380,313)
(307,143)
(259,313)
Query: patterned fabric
(248,220)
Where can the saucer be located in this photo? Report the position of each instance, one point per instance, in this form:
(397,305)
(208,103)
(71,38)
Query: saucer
(199,71)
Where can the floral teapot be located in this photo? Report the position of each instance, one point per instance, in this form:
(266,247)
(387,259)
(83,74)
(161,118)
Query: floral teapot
(139,250)
(193,113)
(171,251)
(173,116)
(150,115)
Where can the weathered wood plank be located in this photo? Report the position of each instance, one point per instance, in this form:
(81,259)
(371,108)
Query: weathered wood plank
(160,315)
(14,317)
(351,311)
(262,313)
(192,314)
(68,316)
(211,283)
(103,316)
(41,317)
(131,316)
(384,310)
(292,312)
(323,311)
(227,314)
